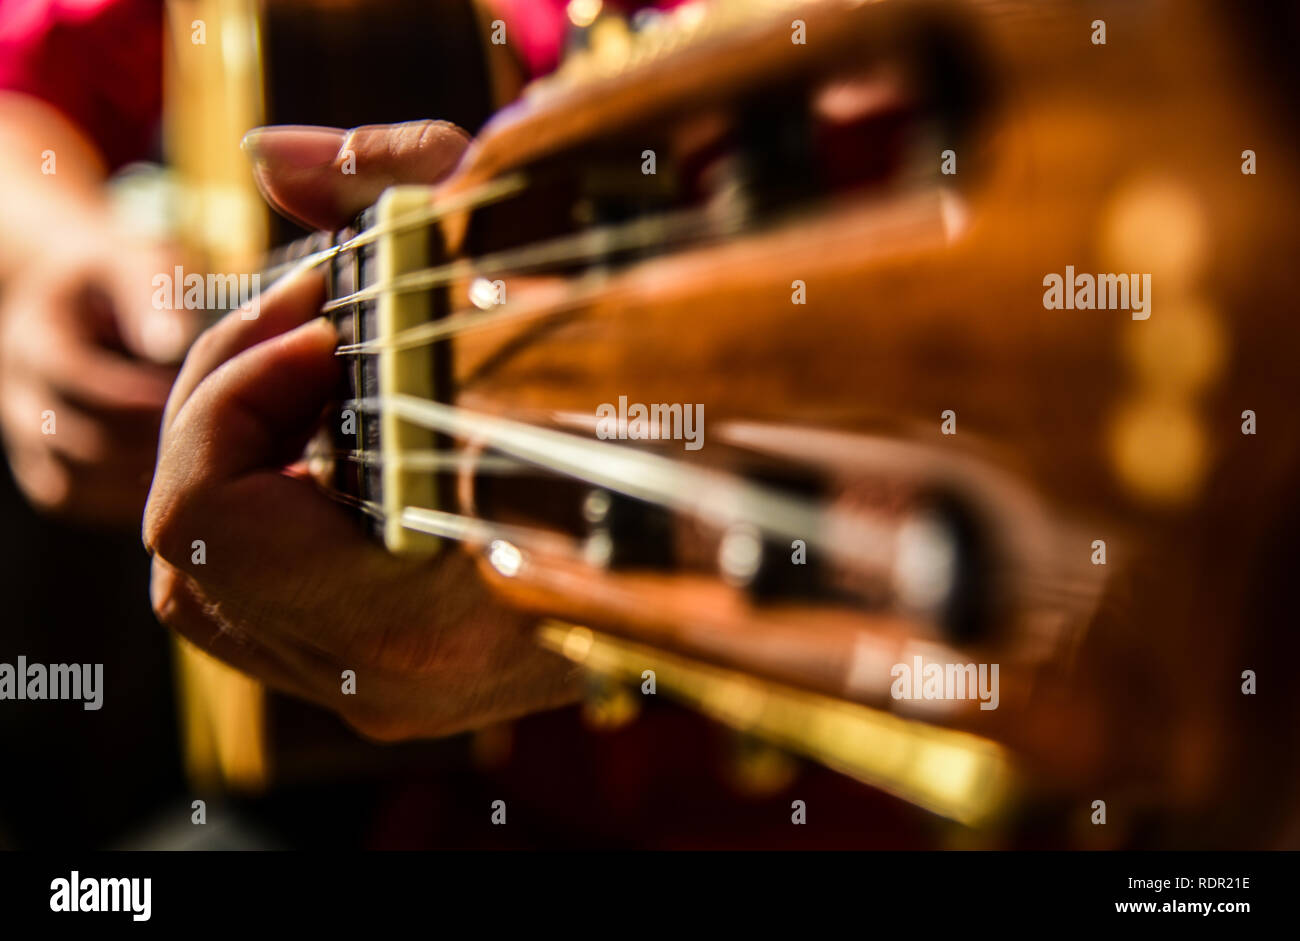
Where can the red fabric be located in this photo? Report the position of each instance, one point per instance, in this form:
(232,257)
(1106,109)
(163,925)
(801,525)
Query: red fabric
(98,61)
(536,29)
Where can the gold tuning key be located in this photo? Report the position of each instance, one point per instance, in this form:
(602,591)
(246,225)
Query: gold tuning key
(954,774)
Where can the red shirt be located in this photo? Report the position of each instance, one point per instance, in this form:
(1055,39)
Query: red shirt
(536,28)
(99,62)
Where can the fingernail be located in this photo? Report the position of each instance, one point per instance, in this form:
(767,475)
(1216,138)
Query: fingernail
(295,147)
(324,322)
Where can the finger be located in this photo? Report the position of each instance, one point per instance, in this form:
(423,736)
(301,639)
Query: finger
(148,326)
(43,480)
(285,305)
(159,335)
(60,489)
(97,380)
(239,417)
(322,177)
(92,451)
(110,298)
(33,415)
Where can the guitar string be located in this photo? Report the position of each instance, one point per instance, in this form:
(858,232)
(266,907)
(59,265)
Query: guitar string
(461,527)
(477,197)
(467,320)
(369,507)
(592,243)
(873,543)
(423,460)
(709,495)
(470,425)
(718,221)
(653,231)
(584,245)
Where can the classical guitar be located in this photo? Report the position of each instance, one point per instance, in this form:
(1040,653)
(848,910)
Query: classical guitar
(902,383)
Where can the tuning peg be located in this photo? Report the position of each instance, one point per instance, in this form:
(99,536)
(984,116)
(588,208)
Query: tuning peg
(770,568)
(943,571)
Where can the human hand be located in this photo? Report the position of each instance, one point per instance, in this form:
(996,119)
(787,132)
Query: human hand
(84,374)
(289,589)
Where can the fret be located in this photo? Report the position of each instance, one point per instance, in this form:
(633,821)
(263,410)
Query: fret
(346,432)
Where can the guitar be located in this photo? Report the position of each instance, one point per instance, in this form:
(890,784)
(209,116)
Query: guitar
(882,380)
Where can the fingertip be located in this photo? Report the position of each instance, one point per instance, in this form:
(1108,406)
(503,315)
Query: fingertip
(315,342)
(321,177)
(319,332)
(421,151)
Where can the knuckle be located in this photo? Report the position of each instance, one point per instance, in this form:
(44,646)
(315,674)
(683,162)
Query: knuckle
(165,598)
(162,529)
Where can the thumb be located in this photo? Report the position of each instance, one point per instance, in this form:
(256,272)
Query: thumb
(322,176)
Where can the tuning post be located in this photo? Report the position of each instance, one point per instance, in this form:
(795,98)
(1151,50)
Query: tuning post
(626,533)
(740,554)
(505,557)
(942,570)
(925,563)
